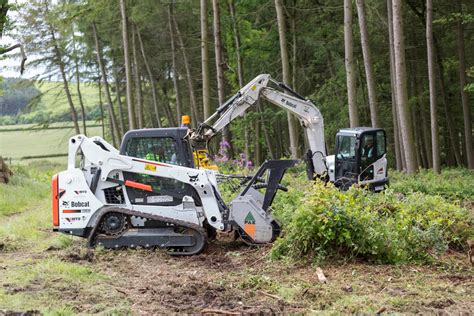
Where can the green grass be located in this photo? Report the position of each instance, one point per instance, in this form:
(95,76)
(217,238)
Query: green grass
(56,287)
(30,186)
(56,125)
(34,274)
(54,99)
(19,144)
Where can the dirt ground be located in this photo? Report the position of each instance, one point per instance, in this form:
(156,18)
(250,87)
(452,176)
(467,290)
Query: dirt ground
(231,278)
(58,275)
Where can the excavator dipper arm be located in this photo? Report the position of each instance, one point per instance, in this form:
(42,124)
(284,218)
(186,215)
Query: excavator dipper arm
(258,89)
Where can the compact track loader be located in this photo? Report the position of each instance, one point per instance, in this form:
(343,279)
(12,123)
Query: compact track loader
(120,201)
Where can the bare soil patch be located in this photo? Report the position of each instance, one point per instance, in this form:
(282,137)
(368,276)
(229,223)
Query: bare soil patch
(230,277)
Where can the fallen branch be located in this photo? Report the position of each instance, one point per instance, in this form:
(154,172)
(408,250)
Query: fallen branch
(218,311)
(270,295)
(120,291)
(381,310)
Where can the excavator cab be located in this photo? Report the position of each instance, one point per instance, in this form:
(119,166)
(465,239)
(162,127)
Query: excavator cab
(361,158)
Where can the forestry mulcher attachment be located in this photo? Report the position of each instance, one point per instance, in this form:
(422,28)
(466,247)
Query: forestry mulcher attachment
(151,193)
(119,201)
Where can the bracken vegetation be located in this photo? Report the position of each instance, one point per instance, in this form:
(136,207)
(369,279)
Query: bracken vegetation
(417,219)
(389,227)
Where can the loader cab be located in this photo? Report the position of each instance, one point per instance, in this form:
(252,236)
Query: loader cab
(165,145)
(361,158)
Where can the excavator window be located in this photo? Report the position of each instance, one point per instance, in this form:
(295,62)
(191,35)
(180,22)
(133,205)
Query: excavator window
(346,147)
(381,146)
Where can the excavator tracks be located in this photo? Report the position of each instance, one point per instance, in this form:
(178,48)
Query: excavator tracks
(178,237)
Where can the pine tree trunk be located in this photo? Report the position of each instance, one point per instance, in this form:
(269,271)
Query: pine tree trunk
(426,129)
(420,122)
(128,69)
(263,124)
(401,82)
(166,105)
(61,66)
(464,97)
(101,108)
(423,120)
(349,62)
(189,77)
(240,71)
(432,85)
(110,108)
(294,53)
(453,136)
(369,72)
(235,28)
(136,80)
(226,137)
(292,124)
(79,96)
(174,65)
(258,147)
(416,137)
(119,99)
(150,78)
(206,88)
(399,158)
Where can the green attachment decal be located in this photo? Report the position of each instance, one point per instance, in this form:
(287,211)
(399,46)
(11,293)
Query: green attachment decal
(249,219)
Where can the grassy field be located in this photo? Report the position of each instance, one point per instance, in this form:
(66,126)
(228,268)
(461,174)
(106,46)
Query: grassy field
(53,99)
(18,144)
(56,275)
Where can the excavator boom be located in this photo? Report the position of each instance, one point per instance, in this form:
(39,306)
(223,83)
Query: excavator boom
(248,97)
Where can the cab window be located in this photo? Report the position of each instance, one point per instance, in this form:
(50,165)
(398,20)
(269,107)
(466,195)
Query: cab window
(345,147)
(162,149)
(368,151)
(381,150)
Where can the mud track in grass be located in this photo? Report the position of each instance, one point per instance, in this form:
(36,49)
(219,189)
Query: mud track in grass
(213,281)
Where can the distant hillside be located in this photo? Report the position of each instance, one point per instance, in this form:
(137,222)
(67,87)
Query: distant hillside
(16,94)
(50,104)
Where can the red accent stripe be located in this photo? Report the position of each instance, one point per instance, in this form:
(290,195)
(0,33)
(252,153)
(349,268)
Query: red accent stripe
(152,163)
(138,185)
(55,200)
(71,211)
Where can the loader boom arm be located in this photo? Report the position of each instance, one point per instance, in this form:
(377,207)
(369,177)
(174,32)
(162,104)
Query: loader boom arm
(247,97)
(98,152)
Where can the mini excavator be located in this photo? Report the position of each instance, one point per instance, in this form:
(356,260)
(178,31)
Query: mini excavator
(151,193)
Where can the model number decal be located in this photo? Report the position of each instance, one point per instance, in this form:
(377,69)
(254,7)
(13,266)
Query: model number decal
(159,199)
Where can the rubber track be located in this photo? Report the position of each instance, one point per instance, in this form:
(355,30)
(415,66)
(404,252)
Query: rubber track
(109,209)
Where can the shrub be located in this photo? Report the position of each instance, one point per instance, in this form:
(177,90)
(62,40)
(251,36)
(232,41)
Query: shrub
(386,227)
